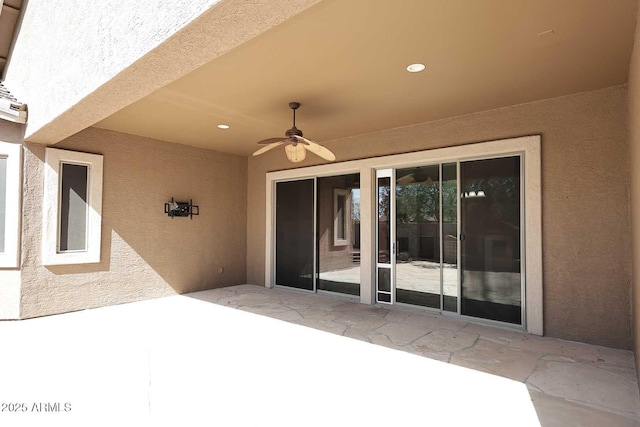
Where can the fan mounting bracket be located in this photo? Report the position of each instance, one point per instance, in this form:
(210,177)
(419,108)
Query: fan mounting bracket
(294,105)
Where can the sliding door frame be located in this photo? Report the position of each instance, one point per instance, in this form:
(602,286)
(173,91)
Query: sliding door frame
(527,146)
(315,236)
(391,265)
(523,246)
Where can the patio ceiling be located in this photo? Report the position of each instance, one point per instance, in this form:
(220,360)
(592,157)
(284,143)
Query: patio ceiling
(345,62)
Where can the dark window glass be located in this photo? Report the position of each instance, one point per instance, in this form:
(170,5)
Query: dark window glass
(384,279)
(294,234)
(73,207)
(384,297)
(490,246)
(340,217)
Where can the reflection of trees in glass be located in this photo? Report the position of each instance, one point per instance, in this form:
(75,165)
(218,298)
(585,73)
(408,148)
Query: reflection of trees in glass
(384,194)
(419,202)
(450,201)
(503,193)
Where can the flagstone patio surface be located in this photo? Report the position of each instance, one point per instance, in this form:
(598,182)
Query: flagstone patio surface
(570,383)
(247,355)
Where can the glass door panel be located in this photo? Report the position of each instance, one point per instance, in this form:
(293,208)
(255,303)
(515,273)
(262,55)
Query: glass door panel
(490,239)
(418,248)
(295,236)
(384,282)
(449,237)
(339,234)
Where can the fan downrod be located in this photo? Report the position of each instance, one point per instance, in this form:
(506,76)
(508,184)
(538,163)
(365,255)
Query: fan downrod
(294,131)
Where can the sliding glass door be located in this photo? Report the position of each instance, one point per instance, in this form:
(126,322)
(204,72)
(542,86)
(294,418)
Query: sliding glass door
(418,234)
(338,221)
(295,234)
(425,233)
(449,238)
(317,234)
(491,239)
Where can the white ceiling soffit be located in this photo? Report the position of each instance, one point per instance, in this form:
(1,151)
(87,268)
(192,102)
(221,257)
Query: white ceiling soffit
(9,16)
(345,61)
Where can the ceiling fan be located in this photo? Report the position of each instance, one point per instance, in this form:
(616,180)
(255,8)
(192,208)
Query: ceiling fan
(296,145)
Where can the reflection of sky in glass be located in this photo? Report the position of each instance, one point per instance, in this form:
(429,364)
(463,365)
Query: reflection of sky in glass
(355,204)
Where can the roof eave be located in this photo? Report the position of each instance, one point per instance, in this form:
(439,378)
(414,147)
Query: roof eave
(13,115)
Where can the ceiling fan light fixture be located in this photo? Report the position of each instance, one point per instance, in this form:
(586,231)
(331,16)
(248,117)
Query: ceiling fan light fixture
(295,153)
(416,68)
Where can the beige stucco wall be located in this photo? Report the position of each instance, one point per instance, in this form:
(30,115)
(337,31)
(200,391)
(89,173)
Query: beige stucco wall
(585,196)
(76,62)
(72,48)
(145,254)
(634,156)
(10,278)
(11,132)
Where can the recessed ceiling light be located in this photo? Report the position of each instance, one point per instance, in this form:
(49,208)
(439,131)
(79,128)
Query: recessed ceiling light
(223,126)
(415,68)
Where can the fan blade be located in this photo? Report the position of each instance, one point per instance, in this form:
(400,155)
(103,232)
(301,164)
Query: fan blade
(271,140)
(405,180)
(295,153)
(318,149)
(268,147)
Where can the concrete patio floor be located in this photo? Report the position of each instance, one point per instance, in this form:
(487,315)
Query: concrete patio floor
(247,355)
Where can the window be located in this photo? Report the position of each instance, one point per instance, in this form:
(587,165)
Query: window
(72,207)
(10,168)
(341,205)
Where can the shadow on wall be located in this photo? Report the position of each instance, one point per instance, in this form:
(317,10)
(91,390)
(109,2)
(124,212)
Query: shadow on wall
(12,132)
(144,252)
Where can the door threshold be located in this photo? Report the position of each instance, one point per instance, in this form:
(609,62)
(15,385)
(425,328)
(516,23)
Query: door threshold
(408,308)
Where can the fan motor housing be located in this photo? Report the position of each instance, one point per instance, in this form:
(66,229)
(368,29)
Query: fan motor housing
(294,131)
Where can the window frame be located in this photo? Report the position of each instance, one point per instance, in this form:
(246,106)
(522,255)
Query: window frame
(13,152)
(51,254)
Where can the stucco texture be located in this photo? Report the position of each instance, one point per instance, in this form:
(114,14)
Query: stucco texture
(144,254)
(76,62)
(10,277)
(11,132)
(585,201)
(634,156)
